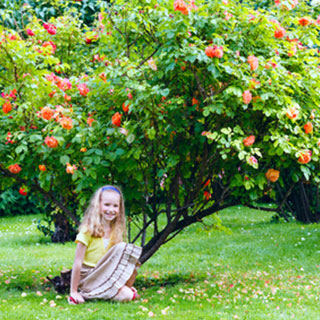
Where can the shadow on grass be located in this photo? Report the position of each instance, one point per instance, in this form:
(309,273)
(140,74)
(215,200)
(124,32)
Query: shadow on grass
(31,282)
(168,280)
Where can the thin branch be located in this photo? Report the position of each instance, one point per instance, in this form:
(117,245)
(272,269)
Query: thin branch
(151,55)
(142,230)
(114,25)
(200,88)
(284,200)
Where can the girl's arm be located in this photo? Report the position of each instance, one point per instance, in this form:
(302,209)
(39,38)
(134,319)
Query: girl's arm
(75,276)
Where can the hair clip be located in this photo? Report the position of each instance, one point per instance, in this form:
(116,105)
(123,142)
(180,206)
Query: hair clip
(111,188)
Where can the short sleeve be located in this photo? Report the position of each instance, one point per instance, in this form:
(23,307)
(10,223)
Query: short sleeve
(83,238)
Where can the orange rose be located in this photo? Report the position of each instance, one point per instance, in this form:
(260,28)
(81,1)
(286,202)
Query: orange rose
(272,175)
(209,52)
(125,107)
(47,113)
(51,142)
(116,119)
(42,167)
(7,107)
(180,5)
(218,52)
(255,99)
(89,121)
(195,101)
(304,156)
(279,33)
(292,113)
(304,21)
(14,168)
(248,141)
(66,123)
(83,149)
(308,127)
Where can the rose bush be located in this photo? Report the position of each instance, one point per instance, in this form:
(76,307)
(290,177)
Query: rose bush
(188,107)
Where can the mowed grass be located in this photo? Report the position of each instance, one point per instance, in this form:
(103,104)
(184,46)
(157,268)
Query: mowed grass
(261,270)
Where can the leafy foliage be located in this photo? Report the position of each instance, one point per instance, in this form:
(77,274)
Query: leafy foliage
(16,13)
(12,203)
(190,109)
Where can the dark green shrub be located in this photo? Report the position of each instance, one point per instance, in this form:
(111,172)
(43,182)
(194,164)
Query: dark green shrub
(12,203)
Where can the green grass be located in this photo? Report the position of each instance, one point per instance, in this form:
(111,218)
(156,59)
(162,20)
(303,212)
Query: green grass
(262,270)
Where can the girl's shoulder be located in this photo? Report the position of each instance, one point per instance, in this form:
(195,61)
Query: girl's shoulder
(83,229)
(84,237)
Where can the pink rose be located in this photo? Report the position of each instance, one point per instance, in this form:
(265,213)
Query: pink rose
(247,97)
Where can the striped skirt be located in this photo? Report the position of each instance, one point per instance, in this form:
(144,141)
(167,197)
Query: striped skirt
(111,272)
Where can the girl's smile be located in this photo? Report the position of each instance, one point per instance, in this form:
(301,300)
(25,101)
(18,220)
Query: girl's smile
(110,204)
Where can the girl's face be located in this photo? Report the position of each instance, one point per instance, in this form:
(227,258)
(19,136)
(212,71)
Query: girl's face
(110,205)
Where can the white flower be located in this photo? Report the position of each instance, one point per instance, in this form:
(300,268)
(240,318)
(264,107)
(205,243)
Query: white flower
(315,3)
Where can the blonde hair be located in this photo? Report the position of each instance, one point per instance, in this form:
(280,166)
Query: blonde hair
(94,224)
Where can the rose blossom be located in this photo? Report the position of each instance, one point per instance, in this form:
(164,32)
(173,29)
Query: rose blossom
(51,142)
(249,141)
(308,127)
(252,161)
(14,168)
(272,175)
(116,119)
(66,123)
(292,113)
(83,89)
(247,96)
(253,62)
(47,113)
(180,5)
(304,156)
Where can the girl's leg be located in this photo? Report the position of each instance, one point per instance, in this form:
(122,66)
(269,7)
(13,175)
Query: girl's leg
(132,279)
(124,294)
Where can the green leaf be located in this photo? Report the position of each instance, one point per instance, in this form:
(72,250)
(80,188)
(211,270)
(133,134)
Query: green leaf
(64,160)
(306,171)
(151,133)
(130,138)
(242,155)
(35,138)
(137,154)
(87,161)
(234,91)
(21,148)
(226,131)
(93,174)
(98,152)
(96,160)
(212,68)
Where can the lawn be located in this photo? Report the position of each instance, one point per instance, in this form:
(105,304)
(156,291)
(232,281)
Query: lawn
(259,270)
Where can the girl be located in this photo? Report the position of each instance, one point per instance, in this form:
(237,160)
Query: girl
(104,266)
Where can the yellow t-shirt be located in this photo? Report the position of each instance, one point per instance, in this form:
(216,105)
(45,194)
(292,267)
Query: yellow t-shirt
(95,248)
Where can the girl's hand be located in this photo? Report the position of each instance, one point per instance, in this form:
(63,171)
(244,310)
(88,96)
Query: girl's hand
(77,297)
